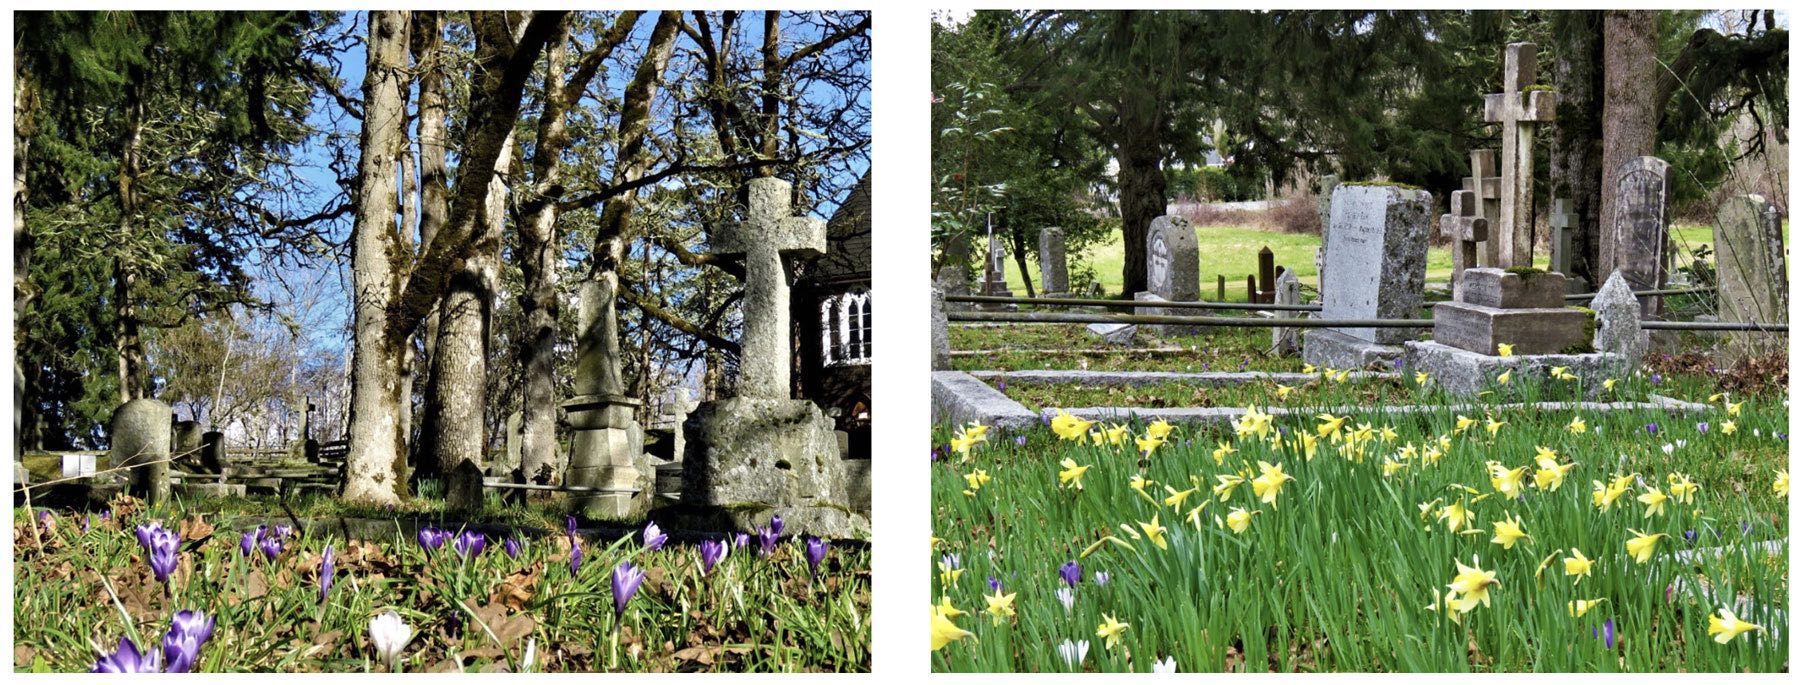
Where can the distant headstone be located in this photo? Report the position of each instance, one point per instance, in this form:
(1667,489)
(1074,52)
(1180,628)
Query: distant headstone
(140,438)
(1640,227)
(212,452)
(1114,333)
(1053,262)
(994,282)
(1752,271)
(940,331)
(515,444)
(1285,342)
(463,487)
(953,271)
(1172,267)
(1377,246)
(1562,242)
(185,437)
(1618,327)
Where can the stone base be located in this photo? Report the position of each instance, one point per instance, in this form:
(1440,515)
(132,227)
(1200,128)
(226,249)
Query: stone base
(1166,329)
(1334,349)
(1114,333)
(186,490)
(1461,372)
(824,522)
(610,458)
(747,454)
(958,398)
(1530,331)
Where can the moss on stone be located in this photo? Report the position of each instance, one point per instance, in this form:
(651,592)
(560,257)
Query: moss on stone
(1538,87)
(1389,184)
(1525,271)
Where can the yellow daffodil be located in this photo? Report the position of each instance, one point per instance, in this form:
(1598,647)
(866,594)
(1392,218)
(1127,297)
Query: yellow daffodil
(1000,606)
(1653,502)
(943,630)
(1471,585)
(1421,378)
(1493,427)
(1154,530)
(1117,434)
(1579,565)
(1609,384)
(1506,350)
(1504,377)
(1455,516)
(1268,485)
(1576,425)
(1071,473)
(1148,444)
(1340,376)
(948,573)
(1239,520)
(1253,422)
(962,442)
(1728,427)
(1160,429)
(1550,475)
(1605,494)
(1329,424)
(1780,486)
(1110,630)
(1642,546)
(1228,484)
(1193,514)
(1308,368)
(1506,481)
(1176,497)
(1068,427)
(1388,434)
(1463,423)
(1282,391)
(946,608)
(1726,625)
(1139,482)
(1715,397)
(1508,532)
(1579,608)
(977,478)
(1681,488)
(1539,574)
(1732,408)
(1390,467)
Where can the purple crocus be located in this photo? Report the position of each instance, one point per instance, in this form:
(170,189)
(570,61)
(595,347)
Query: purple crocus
(327,571)
(432,537)
(654,538)
(1650,427)
(162,547)
(188,631)
(271,547)
(1101,577)
(569,524)
(1019,440)
(711,551)
(247,544)
(1071,573)
(993,584)
(815,552)
(1656,379)
(128,660)
(574,556)
(767,537)
(512,547)
(284,532)
(1702,427)
(470,544)
(740,540)
(775,524)
(1610,635)
(625,581)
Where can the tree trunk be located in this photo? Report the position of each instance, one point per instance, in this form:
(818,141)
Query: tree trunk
(1628,122)
(128,341)
(434,207)
(23,128)
(1019,249)
(377,447)
(1143,190)
(1575,144)
(539,262)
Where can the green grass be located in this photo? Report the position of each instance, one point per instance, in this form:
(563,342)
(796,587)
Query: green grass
(1014,346)
(83,586)
(1336,573)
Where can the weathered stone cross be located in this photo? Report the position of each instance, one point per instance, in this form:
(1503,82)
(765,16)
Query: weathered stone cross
(1484,181)
(1518,109)
(765,235)
(1465,227)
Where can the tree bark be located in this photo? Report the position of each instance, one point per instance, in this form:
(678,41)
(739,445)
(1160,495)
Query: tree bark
(1628,123)
(128,341)
(1143,190)
(377,446)
(24,101)
(434,209)
(1575,145)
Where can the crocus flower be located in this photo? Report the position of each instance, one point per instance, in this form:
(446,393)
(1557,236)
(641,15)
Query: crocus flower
(247,544)
(162,547)
(1071,573)
(128,660)
(767,537)
(1100,577)
(512,547)
(654,538)
(741,540)
(271,547)
(569,524)
(1166,665)
(327,570)
(1650,427)
(1067,597)
(711,551)
(470,544)
(1609,633)
(625,581)
(431,538)
(188,631)
(775,524)
(993,584)
(1702,427)
(284,531)
(1073,653)
(574,556)
(389,633)
(815,552)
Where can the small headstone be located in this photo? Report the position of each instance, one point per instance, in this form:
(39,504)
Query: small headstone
(78,465)
(212,452)
(1172,267)
(1114,333)
(1285,342)
(1377,249)
(1562,239)
(1053,262)
(186,439)
(1752,271)
(463,487)
(994,282)
(1518,307)
(1618,328)
(940,331)
(1640,227)
(140,437)
(515,444)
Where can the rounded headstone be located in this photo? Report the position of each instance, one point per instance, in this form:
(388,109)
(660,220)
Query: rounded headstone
(140,431)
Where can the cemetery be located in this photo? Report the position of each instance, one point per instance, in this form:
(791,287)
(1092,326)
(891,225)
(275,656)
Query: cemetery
(432,341)
(1243,384)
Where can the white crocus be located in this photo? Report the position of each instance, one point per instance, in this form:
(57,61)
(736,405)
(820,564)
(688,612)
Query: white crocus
(530,658)
(389,633)
(1166,665)
(1073,653)
(1067,595)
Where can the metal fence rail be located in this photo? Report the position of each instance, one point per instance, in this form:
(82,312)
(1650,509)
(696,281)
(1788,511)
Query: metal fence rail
(1249,322)
(1164,304)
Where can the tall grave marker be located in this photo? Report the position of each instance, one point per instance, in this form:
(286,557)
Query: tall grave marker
(1518,108)
(1376,250)
(1752,271)
(1640,228)
(1171,269)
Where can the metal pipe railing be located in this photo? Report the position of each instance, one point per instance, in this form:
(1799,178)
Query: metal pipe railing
(1077,302)
(1075,317)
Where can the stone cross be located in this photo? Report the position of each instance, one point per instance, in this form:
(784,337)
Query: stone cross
(1518,109)
(1466,229)
(1562,238)
(1484,181)
(766,234)
(995,283)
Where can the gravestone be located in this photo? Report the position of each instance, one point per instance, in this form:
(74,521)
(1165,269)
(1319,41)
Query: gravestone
(1521,308)
(515,446)
(1518,108)
(212,452)
(1640,228)
(1752,272)
(953,270)
(1053,262)
(606,443)
(1114,333)
(1171,270)
(994,282)
(1484,181)
(762,454)
(940,331)
(1285,342)
(1618,328)
(185,439)
(1562,244)
(1466,229)
(139,431)
(1327,184)
(1379,234)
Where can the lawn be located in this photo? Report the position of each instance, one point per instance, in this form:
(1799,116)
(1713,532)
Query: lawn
(1427,542)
